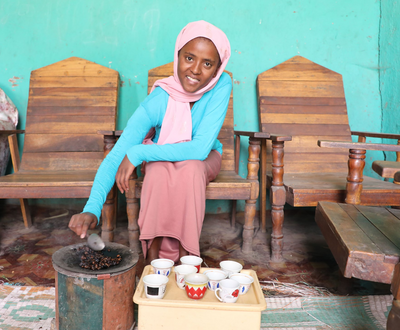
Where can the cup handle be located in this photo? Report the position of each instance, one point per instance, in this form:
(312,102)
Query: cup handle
(216,293)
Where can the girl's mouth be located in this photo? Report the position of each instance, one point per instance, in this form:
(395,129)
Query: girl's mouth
(193,79)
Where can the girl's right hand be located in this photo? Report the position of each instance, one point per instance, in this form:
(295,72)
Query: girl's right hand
(80,223)
(124,172)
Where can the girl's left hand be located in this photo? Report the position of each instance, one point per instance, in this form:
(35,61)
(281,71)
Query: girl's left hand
(124,172)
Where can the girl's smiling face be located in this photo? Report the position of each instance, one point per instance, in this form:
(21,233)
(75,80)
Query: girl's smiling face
(198,63)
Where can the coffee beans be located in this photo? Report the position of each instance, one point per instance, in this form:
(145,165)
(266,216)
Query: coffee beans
(95,260)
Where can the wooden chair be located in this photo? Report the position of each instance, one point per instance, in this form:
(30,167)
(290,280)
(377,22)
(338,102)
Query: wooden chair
(228,184)
(305,102)
(69,102)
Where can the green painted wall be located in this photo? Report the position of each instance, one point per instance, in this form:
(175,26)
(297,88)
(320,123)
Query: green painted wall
(134,36)
(390,69)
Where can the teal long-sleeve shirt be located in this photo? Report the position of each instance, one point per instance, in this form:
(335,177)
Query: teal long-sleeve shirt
(208,115)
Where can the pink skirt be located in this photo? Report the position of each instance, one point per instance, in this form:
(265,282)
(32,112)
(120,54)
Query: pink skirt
(172,204)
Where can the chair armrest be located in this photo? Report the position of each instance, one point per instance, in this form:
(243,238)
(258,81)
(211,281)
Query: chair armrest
(264,135)
(252,135)
(12,131)
(280,138)
(277,152)
(110,133)
(377,135)
(359,145)
(256,135)
(110,138)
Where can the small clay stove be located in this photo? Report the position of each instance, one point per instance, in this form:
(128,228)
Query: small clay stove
(95,299)
(67,260)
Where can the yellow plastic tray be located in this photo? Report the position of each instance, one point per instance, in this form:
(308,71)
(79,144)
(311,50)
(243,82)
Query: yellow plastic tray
(177,311)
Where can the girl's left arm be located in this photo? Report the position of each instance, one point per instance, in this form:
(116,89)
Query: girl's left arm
(203,138)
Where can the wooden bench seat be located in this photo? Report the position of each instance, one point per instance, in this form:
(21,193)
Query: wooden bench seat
(217,189)
(22,184)
(305,190)
(365,242)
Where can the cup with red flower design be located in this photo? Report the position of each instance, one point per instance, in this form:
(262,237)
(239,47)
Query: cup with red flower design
(244,281)
(228,291)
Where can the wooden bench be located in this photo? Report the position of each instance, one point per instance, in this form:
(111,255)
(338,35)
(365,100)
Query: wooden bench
(69,102)
(365,241)
(228,185)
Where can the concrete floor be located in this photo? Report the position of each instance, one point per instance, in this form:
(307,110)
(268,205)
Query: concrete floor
(25,254)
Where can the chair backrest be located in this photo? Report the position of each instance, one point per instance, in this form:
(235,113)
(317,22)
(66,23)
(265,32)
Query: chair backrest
(305,100)
(225,135)
(69,101)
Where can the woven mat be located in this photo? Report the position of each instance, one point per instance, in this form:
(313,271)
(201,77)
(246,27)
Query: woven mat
(334,312)
(27,307)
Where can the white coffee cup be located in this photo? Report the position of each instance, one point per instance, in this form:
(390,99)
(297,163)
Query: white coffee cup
(228,291)
(192,260)
(181,271)
(244,280)
(155,285)
(214,277)
(230,267)
(162,266)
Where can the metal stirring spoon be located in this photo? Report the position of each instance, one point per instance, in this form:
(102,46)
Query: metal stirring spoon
(95,242)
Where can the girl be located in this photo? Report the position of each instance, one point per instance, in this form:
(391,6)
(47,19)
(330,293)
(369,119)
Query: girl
(178,124)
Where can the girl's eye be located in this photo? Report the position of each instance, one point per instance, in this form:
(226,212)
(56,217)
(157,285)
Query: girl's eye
(189,58)
(208,64)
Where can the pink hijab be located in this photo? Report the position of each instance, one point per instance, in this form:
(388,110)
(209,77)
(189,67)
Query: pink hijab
(177,123)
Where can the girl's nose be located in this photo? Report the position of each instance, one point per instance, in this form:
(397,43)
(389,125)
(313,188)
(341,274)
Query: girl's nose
(196,68)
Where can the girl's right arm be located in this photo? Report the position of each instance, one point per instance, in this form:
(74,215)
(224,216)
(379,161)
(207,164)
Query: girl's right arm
(135,131)
(133,134)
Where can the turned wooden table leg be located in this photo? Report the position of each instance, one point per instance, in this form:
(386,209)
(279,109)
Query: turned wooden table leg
(132,210)
(278,200)
(393,321)
(250,207)
(355,178)
(109,214)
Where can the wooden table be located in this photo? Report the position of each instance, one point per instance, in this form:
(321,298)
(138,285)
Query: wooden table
(365,242)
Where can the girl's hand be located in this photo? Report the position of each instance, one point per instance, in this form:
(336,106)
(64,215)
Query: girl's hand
(124,172)
(80,223)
